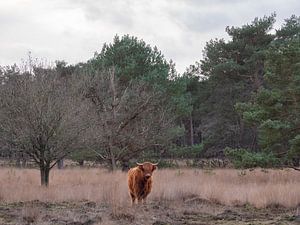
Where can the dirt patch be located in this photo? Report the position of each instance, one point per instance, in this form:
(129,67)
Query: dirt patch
(193,212)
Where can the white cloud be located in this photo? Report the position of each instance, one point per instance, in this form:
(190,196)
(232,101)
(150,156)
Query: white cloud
(74,29)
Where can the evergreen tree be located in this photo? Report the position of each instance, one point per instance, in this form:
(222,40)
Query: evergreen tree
(131,59)
(276,107)
(230,72)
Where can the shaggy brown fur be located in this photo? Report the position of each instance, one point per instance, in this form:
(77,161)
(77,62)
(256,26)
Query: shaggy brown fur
(140,181)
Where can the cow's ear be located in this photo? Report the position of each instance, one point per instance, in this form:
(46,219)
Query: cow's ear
(154,168)
(141,167)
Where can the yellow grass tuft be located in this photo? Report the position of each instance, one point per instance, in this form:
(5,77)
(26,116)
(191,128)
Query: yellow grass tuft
(225,186)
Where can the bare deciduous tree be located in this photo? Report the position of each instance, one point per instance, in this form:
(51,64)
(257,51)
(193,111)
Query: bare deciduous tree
(128,119)
(40,116)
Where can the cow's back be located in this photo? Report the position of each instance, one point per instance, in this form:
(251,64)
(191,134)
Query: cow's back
(133,176)
(130,177)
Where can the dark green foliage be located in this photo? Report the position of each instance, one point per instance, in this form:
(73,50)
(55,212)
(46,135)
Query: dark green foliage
(132,59)
(246,91)
(168,164)
(172,152)
(187,152)
(295,147)
(290,30)
(81,155)
(275,108)
(229,73)
(244,94)
(244,158)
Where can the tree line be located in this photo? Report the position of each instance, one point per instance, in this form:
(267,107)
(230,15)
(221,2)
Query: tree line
(128,102)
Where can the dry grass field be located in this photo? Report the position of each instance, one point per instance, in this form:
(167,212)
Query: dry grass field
(186,196)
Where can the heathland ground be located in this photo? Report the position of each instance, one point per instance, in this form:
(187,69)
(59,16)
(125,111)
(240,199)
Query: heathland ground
(81,196)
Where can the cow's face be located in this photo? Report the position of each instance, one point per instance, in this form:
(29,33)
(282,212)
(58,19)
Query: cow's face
(147,169)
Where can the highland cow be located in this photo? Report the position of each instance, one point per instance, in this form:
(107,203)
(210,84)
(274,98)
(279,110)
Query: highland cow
(140,181)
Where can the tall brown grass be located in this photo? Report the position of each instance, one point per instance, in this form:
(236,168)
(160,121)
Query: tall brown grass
(226,186)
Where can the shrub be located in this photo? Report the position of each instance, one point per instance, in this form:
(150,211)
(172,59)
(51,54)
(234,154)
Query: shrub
(193,151)
(243,158)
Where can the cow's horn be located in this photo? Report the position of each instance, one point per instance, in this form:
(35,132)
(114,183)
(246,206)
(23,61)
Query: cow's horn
(139,164)
(154,164)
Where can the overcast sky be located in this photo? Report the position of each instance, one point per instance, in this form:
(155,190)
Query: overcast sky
(72,30)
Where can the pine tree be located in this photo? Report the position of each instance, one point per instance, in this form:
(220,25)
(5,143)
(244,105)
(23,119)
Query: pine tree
(276,107)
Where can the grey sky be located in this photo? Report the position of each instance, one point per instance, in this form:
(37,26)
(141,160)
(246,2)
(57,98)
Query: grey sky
(72,30)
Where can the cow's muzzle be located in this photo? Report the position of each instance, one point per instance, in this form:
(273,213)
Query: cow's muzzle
(147,176)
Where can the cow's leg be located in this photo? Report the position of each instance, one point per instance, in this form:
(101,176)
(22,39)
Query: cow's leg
(144,200)
(144,197)
(140,200)
(132,198)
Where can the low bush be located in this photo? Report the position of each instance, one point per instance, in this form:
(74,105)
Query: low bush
(243,158)
(187,152)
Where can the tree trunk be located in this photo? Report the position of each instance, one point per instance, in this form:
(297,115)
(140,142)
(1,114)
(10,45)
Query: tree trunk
(44,170)
(81,162)
(259,75)
(112,86)
(191,131)
(18,163)
(18,160)
(125,165)
(254,144)
(113,163)
(24,162)
(183,139)
(242,129)
(60,164)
